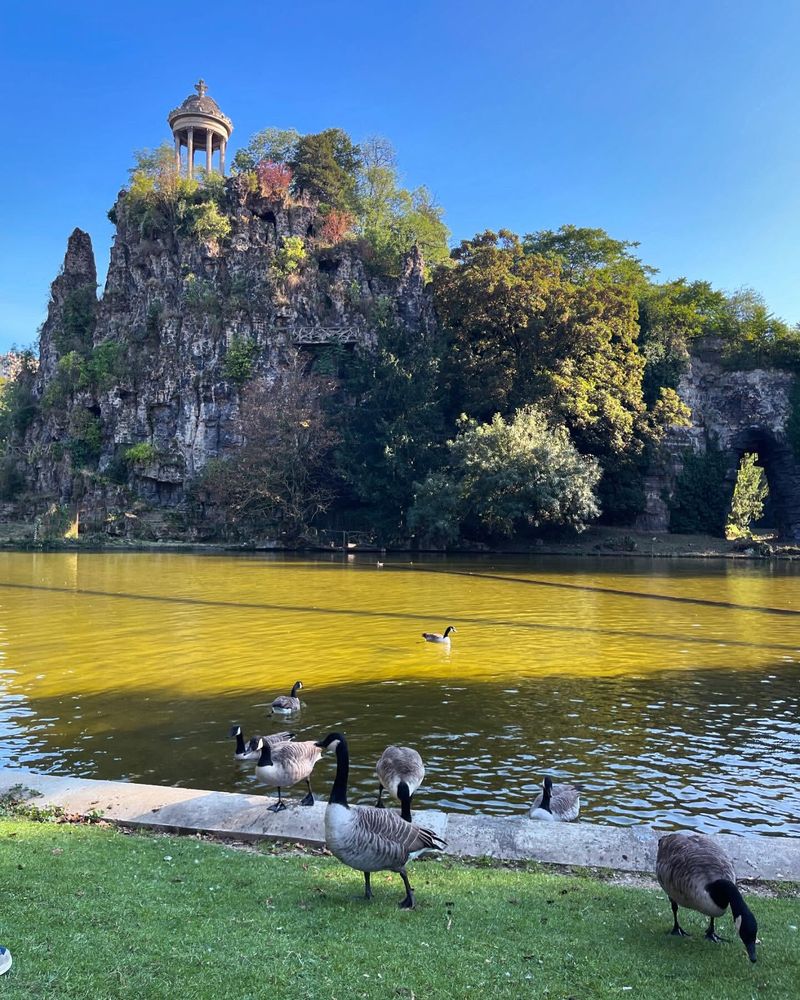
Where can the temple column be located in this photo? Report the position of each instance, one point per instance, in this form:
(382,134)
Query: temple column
(209,152)
(177,154)
(222,144)
(190,150)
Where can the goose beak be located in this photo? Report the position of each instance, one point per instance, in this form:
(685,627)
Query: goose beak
(751,950)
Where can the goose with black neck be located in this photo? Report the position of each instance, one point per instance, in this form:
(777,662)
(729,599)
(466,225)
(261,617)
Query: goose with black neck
(368,839)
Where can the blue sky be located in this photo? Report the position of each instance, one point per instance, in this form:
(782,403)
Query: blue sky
(676,124)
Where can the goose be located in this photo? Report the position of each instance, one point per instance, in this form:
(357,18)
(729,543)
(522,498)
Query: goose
(438,636)
(695,872)
(284,764)
(251,751)
(556,802)
(285,704)
(400,772)
(369,839)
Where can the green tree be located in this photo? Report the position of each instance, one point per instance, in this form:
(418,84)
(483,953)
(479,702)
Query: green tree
(277,481)
(520,333)
(586,253)
(393,219)
(390,416)
(701,497)
(670,317)
(325,165)
(502,477)
(749,494)
(277,145)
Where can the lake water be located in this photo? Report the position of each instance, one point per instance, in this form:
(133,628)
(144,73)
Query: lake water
(668,690)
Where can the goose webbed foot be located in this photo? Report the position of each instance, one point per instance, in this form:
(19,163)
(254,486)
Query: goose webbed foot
(307,800)
(279,805)
(408,902)
(711,934)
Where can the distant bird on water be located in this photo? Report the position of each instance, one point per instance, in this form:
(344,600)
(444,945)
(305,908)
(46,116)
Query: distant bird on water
(556,802)
(400,772)
(438,636)
(695,872)
(285,704)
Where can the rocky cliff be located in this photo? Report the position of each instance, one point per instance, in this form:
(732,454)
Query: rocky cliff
(159,361)
(737,412)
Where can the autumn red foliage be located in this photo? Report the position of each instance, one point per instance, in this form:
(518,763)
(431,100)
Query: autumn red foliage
(336,226)
(273,179)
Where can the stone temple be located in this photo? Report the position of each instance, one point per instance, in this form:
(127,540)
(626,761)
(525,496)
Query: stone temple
(196,124)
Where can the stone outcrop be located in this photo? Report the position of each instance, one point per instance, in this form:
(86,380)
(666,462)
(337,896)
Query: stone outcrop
(173,309)
(738,412)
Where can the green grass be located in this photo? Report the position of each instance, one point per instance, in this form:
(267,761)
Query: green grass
(93,913)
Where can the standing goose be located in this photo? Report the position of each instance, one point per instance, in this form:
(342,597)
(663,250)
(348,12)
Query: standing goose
(369,839)
(252,751)
(695,872)
(438,636)
(284,764)
(400,771)
(556,802)
(285,704)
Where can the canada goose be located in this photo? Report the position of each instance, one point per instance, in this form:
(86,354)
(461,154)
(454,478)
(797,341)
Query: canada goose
(284,764)
(252,751)
(369,839)
(556,802)
(695,872)
(285,704)
(400,771)
(438,637)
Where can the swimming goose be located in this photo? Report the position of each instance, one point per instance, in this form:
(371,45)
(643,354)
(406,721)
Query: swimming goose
(285,704)
(369,839)
(400,771)
(284,764)
(438,637)
(695,872)
(251,751)
(556,802)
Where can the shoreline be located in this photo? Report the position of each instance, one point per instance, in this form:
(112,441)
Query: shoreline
(243,817)
(595,542)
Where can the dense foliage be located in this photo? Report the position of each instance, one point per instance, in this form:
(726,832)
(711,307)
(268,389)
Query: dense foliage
(542,398)
(501,477)
(702,494)
(749,494)
(275,483)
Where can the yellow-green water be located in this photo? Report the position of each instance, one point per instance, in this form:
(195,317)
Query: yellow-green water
(667,689)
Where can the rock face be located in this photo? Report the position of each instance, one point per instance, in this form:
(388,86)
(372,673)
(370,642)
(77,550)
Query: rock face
(148,366)
(738,411)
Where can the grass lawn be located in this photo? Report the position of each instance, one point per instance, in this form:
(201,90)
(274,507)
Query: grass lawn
(93,913)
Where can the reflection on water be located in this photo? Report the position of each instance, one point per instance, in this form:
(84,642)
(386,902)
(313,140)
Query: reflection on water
(667,690)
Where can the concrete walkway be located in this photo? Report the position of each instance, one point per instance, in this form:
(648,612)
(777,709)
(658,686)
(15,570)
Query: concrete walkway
(245,817)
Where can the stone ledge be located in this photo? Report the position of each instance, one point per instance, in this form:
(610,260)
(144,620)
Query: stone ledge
(245,817)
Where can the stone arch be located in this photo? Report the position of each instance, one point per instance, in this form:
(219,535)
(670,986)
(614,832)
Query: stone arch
(782,469)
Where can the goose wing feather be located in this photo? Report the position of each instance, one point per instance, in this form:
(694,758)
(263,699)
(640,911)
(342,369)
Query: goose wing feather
(398,764)
(565,802)
(686,864)
(272,738)
(295,760)
(370,839)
